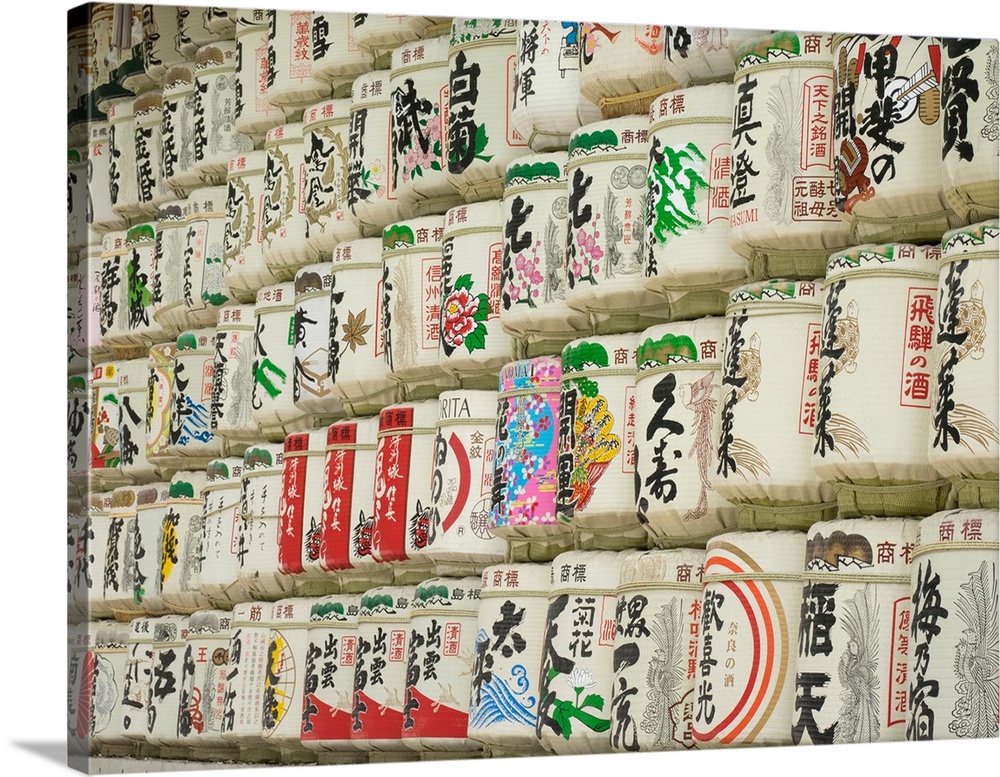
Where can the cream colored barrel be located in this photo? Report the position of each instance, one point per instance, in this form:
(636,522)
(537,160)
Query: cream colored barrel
(193,31)
(123,186)
(79,686)
(87,341)
(153,190)
(96,537)
(678,389)
(119,556)
(597,443)
(312,381)
(254,114)
(133,390)
(953,647)
(783,211)
(257,546)
(78,427)
(110,652)
(77,201)
(169,310)
(191,435)
(170,634)
(216,139)
(688,257)
(704,55)
(105,435)
(418,84)
(183,532)
(525,469)
(131,73)
(889,176)
(459,540)
(177,129)
(273,405)
(232,376)
(357,335)
(100,215)
(114,253)
(752,593)
(509,642)
(220,580)
(547,105)
(873,413)
(243,254)
(345,546)
(379,34)
(533,306)
(856,612)
(283,207)
(137,299)
(138,685)
(657,619)
(411,305)
(624,66)
(153,504)
(221,21)
(578,654)
(204,283)
(337,57)
(767,408)
(971,141)
(605,244)
(473,345)
(325,133)
(78,572)
(964,439)
(371,196)
(75,363)
(291,84)
(438,683)
(159,405)
(482,60)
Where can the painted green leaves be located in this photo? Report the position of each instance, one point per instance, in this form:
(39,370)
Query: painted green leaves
(675,178)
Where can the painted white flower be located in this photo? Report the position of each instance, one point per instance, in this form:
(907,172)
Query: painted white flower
(579,679)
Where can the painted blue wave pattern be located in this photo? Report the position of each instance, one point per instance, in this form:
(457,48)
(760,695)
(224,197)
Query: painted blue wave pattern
(196,425)
(501,705)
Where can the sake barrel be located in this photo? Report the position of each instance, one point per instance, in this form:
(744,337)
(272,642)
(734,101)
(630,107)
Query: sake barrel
(110,652)
(169,310)
(138,277)
(403,469)
(969,125)
(459,540)
(243,703)
(169,638)
(329,679)
(964,439)
(254,113)
(191,434)
(96,535)
(312,381)
(159,404)
(183,530)
(623,67)
(284,678)
(245,270)
(119,556)
(411,271)
(597,443)
(547,105)
(232,376)
(78,427)
(101,28)
(79,684)
(783,215)
(204,285)
(578,652)
(105,435)
(380,669)
(138,684)
(220,571)
(131,73)
(482,60)
(74,319)
(508,647)
(76,206)
(300,510)
(678,388)
(888,169)
(656,623)
(216,139)
(221,21)
(953,653)
(325,128)
(133,388)
(153,190)
(533,306)
(381,33)
(100,216)
(345,546)
(764,449)
(257,546)
(442,640)
(193,32)
(873,446)
(177,129)
(122,182)
(283,207)
(704,55)
(78,573)
(78,45)
(855,628)
(114,292)
(86,340)
(688,257)
(473,346)
(606,225)
(203,686)
(291,84)
(371,196)
(153,504)
(525,463)
(752,593)
(337,57)
(357,335)
(418,86)
(273,404)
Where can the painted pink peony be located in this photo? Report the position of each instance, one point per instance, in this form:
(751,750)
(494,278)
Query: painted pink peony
(459,316)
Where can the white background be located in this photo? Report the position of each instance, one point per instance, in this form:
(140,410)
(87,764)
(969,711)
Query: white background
(32,374)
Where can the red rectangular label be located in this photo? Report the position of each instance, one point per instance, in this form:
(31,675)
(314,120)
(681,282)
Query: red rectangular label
(291,505)
(392,478)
